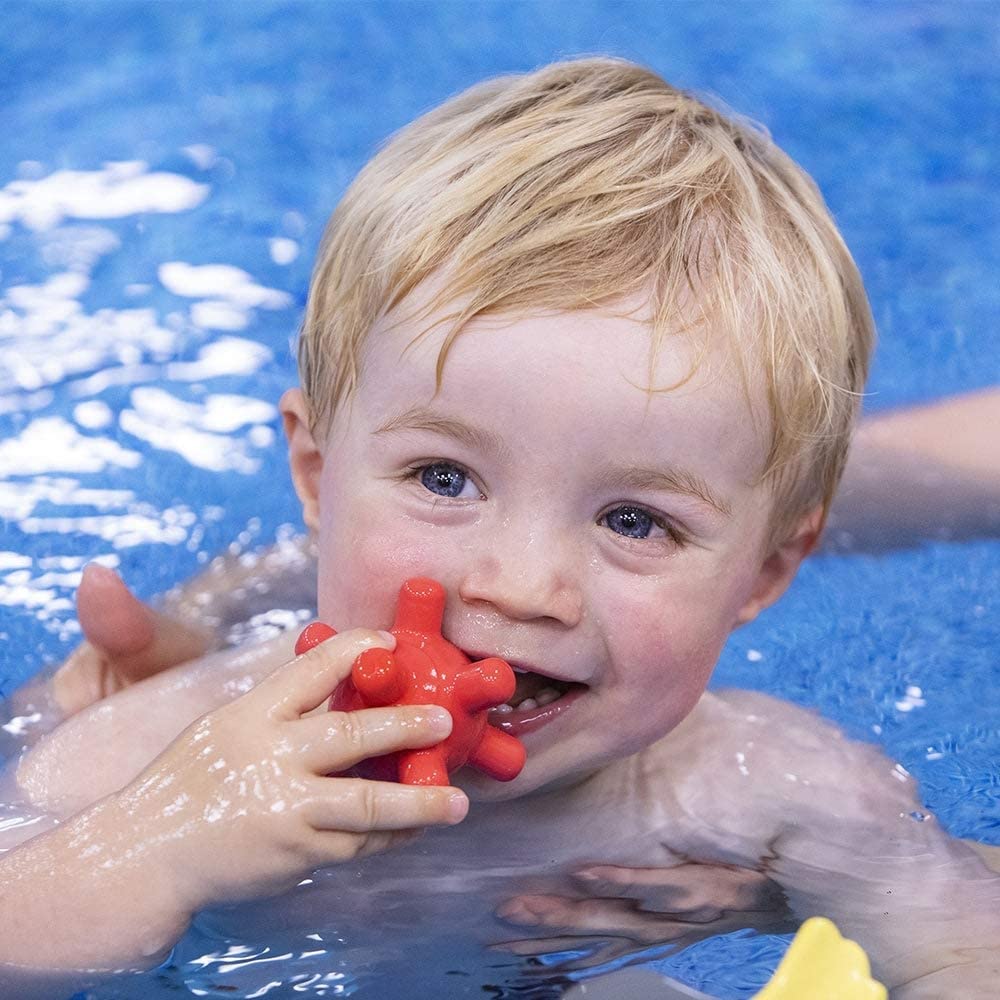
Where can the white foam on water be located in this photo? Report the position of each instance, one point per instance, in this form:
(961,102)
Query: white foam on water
(220,281)
(48,337)
(115,191)
(77,248)
(78,562)
(214,315)
(214,452)
(52,444)
(224,356)
(19,498)
(201,433)
(93,414)
(230,293)
(283,250)
(13,560)
(122,531)
(201,155)
(27,596)
(221,413)
(26,402)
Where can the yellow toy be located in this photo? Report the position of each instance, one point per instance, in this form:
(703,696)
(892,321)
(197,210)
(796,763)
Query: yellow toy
(822,965)
(819,965)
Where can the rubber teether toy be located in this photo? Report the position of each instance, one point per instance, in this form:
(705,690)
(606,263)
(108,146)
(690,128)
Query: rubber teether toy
(426,669)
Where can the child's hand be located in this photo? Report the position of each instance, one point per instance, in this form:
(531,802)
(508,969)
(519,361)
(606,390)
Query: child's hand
(241,805)
(126,641)
(645,906)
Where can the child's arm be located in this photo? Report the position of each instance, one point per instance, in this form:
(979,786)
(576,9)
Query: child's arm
(104,746)
(840,828)
(928,472)
(239,806)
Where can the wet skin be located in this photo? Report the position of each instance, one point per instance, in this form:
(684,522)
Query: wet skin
(584,529)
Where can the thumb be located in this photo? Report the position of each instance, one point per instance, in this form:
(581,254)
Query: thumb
(112,618)
(133,639)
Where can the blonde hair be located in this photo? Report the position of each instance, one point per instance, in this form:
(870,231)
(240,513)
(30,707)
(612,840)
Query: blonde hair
(577,185)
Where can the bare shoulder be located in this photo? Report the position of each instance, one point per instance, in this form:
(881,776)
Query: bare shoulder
(746,768)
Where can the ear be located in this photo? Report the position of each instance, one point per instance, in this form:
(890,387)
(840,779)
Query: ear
(781,564)
(305,459)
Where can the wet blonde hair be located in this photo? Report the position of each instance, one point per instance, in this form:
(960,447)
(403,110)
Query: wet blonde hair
(580,184)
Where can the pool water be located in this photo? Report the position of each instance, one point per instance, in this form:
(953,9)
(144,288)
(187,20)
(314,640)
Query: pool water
(165,175)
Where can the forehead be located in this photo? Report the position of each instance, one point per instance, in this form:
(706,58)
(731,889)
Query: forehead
(572,376)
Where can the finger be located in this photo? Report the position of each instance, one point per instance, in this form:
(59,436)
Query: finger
(332,847)
(380,841)
(687,888)
(111,616)
(335,741)
(134,640)
(305,682)
(605,917)
(620,877)
(354,805)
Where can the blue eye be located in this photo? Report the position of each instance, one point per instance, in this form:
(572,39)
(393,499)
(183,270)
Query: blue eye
(444,479)
(633,522)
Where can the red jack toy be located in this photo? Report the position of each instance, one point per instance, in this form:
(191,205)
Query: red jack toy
(426,669)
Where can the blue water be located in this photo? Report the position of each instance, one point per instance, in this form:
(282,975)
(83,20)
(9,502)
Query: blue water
(120,437)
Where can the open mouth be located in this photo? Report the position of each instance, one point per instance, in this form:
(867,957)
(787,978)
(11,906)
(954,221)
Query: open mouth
(536,700)
(534,691)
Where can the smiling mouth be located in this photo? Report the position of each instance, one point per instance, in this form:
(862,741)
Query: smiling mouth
(536,700)
(534,691)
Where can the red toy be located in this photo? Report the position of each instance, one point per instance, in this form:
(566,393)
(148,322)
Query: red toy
(426,669)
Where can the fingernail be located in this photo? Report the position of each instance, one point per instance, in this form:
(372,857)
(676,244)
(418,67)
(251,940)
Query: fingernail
(458,807)
(98,570)
(512,910)
(439,719)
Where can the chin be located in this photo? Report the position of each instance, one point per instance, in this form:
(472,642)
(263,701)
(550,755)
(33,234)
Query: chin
(538,777)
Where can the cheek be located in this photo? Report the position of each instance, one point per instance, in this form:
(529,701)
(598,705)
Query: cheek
(366,552)
(666,643)
(678,627)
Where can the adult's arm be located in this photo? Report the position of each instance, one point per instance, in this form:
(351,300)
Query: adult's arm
(923,473)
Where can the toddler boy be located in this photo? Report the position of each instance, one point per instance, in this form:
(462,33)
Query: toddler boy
(589,353)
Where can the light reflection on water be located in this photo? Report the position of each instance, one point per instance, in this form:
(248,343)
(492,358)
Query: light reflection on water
(103,364)
(90,390)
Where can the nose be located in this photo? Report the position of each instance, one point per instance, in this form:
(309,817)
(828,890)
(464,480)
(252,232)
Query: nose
(524,579)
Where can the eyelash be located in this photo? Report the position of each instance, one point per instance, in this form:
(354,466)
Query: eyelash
(673,532)
(414,473)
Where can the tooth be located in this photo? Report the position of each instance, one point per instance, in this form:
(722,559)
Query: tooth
(546,695)
(503,708)
(528,703)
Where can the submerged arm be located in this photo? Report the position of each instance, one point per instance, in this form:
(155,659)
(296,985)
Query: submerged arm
(841,829)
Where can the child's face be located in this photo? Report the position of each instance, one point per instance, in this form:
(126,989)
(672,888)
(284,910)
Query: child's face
(600,537)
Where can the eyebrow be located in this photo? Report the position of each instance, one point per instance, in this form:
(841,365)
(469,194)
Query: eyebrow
(669,480)
(422,419)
